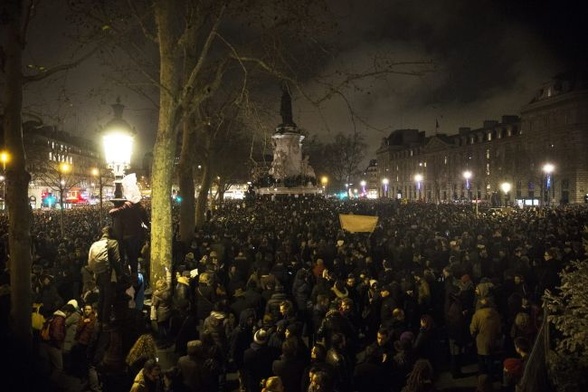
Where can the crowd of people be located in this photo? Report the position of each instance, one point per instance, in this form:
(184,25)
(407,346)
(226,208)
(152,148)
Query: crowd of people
(277,294)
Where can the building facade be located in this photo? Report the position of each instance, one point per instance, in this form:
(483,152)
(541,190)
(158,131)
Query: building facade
(537,158)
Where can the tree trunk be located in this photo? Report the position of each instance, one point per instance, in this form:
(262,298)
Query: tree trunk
(17,178)
(186,181)
(165,143)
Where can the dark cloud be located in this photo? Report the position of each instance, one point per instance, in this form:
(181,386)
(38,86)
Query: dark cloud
(490,57)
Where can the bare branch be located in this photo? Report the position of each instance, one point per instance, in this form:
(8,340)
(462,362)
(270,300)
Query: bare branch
(62,67)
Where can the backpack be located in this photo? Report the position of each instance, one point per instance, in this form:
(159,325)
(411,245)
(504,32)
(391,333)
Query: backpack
(98,256)
(46,330)
(38,320)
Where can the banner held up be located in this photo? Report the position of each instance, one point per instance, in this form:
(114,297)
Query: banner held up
(358,223)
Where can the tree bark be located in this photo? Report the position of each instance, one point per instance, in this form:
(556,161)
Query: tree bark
(165,142)
(19,214)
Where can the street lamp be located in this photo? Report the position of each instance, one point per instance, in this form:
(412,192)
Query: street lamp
(117,139)
(505,186)
(362,183)
(63,169)
(4,158)
(467,175)
(385,183)
(324,182)
(548,169)
(418,179)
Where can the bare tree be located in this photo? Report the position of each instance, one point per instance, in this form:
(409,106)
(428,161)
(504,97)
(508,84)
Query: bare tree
(16,18)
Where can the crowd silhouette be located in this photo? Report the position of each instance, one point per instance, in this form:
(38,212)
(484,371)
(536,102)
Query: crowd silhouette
(273,295)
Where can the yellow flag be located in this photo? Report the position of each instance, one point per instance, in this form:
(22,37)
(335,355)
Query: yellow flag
(358,223)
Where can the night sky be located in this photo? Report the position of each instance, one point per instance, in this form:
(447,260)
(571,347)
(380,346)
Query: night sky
(489,59)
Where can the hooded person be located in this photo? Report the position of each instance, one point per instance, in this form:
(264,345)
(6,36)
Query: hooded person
(130,222)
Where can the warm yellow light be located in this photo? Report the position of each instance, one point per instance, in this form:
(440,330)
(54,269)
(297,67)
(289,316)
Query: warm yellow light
(418,177)
(548,168)
(118,146)
(467,174)
(385,181)
(4,157)
(95,172)
(324,180)
(64,168)
(505,186)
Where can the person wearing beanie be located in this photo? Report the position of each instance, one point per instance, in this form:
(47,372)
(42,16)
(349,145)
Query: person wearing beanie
(258,360)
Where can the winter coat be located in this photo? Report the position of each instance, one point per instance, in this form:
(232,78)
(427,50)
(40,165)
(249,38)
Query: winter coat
(290,371)
(57,329)
(143,384)
(486,328)
(162,301)
(257,365)
(71,325)
(241,337)
(85,330)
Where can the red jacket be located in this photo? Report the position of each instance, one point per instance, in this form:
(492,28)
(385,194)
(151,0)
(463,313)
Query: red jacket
(86,328)
(57,329)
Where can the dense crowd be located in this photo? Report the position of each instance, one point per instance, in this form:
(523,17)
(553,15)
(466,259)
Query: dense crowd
(276,293)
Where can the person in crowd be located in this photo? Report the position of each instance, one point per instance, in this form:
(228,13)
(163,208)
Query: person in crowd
(290,366)
(486,329)
(514,368)
(72,317)
(143,350)
(106,277)
(342,363)
(130,223)
(85,336)
(370,373)
(421,378)
(257,361)
(196,373)
(162,303)
(149,378)
(273,384)
(53,339)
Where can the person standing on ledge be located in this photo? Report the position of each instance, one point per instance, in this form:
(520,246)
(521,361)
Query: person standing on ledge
(130,224)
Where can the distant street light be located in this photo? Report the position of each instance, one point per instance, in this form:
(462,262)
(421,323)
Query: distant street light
(505,186)
(362,183)
(63,169)
(548,169)
(4,158)
(324,182)
(467,175)
(385,183)
(418,179)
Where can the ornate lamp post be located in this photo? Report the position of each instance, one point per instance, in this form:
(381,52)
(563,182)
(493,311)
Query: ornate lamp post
(548,170)
(117,139)
(418,178)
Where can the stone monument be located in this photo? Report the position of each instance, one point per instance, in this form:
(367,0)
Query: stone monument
(287,145)
(289,168)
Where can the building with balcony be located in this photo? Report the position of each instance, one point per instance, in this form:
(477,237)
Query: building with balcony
(540,154)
